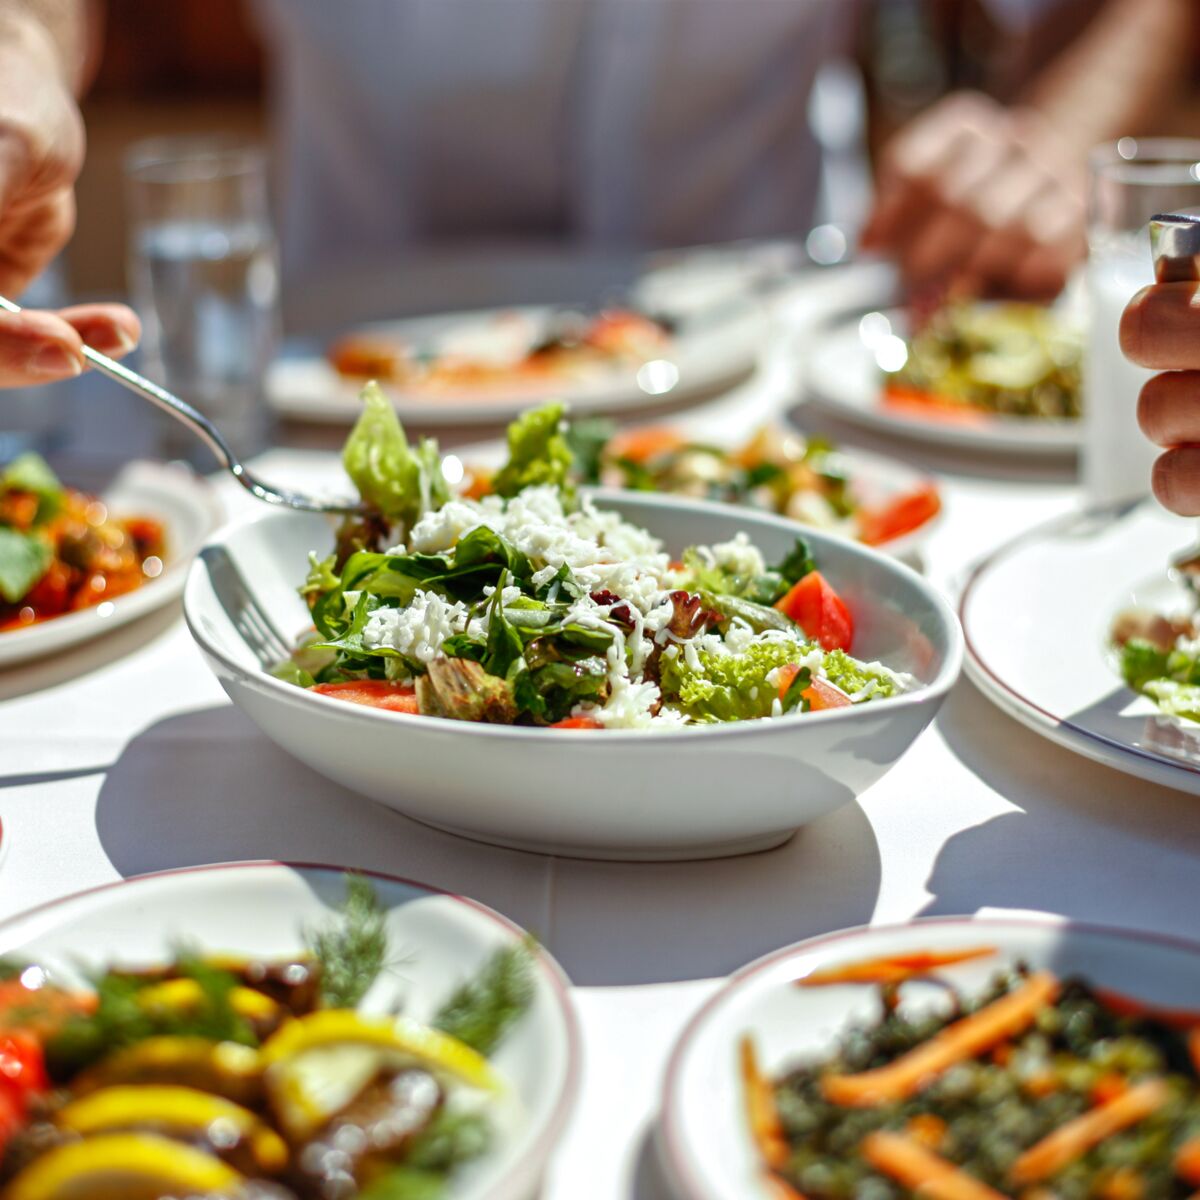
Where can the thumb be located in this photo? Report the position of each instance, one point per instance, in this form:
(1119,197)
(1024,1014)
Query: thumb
(37,347)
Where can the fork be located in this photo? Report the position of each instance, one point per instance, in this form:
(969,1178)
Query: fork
(208,433)
(253,625)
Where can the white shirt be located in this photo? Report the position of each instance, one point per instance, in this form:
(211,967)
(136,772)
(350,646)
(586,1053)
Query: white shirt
(634,122)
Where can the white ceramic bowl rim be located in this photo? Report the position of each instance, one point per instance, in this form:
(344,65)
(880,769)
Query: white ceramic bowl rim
(940,684)
(554,975)
(672,1140)
(977,662)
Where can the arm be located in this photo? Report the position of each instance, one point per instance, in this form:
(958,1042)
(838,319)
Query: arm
(974,197)
(43,60)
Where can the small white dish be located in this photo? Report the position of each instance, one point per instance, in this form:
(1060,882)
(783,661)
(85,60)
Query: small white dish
(261,908)
(842,376)
(1036,615)
(189,513)
(615,794)
(703,1137)
(708,360)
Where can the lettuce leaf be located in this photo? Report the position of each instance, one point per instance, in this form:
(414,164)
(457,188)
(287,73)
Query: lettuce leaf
(727,687)
(401,481)
(1142,662)
(853,676)
(31,473)
(538,453)
(24,558)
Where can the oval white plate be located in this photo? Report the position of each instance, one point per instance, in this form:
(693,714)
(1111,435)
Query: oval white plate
(841,376)
(260,908)
(874,478)
(717,356)
(702,1134)
(1036,616)
(624,794)
(189,513)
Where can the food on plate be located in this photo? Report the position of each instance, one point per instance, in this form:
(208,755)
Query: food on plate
(510,348)
(62,551)
(1037,1088)
(1020,360)
(251,1079)
(778,470)
(1160,657)
(534,605)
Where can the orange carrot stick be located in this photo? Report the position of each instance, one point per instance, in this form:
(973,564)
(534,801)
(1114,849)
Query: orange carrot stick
(765,1127)
(1187,1161)
(921,1171)
(895,968)
(1074,1139)
(968,1038)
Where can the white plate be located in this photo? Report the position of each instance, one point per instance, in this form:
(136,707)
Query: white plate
(842,376)
(189,513)
(260,908)
(622,794)
(874,480)
(1036,616)
(705,361)
(702,1135)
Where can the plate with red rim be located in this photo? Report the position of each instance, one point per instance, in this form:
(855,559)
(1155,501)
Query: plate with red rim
(1036,617)
(261,908)
(307,387)
(842,375)
(189,513)
(703,1136)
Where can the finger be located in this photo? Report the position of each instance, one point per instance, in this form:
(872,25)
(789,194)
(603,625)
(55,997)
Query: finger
(112,329)
(1169,408)
(1160,327)
(1176,480)
(37,347)
(30,239)
(944,243)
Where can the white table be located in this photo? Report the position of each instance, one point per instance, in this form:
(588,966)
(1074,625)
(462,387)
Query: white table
(127,758)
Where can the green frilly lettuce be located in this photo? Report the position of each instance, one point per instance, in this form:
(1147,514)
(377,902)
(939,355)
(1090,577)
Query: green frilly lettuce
(538,453)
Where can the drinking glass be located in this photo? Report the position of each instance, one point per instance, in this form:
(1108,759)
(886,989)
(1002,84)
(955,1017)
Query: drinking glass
(1131,181)
(204,277)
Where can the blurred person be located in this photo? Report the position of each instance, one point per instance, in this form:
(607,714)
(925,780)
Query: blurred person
(976,197)
(1160,329)
(43,61)
(647,122)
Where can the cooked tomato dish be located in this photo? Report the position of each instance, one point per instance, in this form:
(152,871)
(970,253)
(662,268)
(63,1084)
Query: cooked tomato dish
(61,550)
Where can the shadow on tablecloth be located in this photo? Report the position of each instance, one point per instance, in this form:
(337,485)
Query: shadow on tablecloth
(206,786)
(1084,840)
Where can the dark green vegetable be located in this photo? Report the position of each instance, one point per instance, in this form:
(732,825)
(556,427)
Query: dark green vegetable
(798,563)
(352,947)
(483,1009)
(1141,662)
(538,453)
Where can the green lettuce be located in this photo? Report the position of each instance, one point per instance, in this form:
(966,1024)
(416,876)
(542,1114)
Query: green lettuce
(727,687)
(24,558)
(31,473)
(1142,662)
(1176,699)
(538,453)
(853,676)
(399,480)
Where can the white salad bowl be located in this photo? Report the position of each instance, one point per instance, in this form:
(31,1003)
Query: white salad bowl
(695,792)
(438,941)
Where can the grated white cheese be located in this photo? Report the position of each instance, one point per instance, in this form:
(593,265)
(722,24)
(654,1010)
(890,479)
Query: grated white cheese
(419,630)
(739,556)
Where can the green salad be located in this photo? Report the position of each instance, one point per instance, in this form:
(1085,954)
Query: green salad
(1160,658)
(531,604)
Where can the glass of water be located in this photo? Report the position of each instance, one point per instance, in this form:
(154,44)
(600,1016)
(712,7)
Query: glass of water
(1131,181)
(204,277)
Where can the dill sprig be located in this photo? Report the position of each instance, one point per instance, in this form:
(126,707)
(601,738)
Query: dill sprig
(352,948)
(483,1009)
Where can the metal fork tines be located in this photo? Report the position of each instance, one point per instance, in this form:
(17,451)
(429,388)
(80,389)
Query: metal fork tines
(253,625)
(208,433)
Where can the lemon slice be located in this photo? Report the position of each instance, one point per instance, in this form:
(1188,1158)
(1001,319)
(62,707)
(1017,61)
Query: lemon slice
(224,1068)
(177,1111)
(126,1166)
(319,1063)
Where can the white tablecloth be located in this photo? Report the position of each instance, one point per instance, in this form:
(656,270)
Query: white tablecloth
(127,758)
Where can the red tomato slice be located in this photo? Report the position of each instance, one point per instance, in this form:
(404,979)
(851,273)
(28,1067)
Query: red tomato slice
(899,516)
(820,612)
(373,693)
(820,694)
(576,723)
(22,1065)
(925,406)
(641,445)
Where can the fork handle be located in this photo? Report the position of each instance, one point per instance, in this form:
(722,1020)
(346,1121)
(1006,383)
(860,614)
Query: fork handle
(181,410)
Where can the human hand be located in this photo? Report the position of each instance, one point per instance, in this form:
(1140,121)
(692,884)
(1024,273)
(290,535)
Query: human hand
(39,347)
(977,199)
(1160,329)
